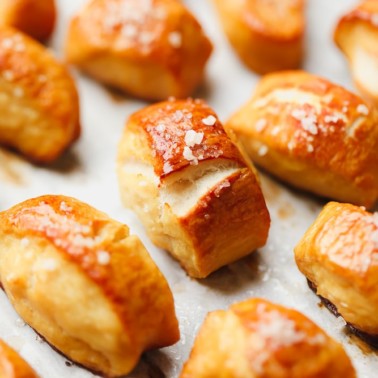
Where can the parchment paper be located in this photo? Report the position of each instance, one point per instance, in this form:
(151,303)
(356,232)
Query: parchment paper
(87,172)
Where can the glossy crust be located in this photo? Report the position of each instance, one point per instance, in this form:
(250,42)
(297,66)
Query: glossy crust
(150,49)
(191,187)
(259,339)
(33,17)
(356,35)
(12,365)
(267,35)
(108,304)
(312,134)
(39,104)
(338,255)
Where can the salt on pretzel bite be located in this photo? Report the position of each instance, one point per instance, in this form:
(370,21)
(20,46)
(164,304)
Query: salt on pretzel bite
(84,283)
(39,103)
(150,49)
(196,194)
(312,134)
(256,338)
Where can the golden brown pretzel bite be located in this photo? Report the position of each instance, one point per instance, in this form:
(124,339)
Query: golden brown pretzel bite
(190,185)
(80,280)
(338,255)
(39,104)
(312,134)
(151,49)
(259,339)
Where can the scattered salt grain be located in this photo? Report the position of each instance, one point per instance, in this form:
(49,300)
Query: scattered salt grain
(188,154)
(8,75)
(167,168)
(310,148)
(262,150)
(20,323)
(175,39)
(209,120)
(260,124)
(192,138)
(103,257)
(362,109)
(64,207)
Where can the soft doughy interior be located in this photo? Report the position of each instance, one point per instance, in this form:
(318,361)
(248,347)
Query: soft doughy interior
(23,126)
(182,190)
(55,297)
(365,69)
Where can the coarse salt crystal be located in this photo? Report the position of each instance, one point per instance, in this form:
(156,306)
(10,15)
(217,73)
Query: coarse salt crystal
(20,322)
(129,30)
(362,109)
(64,207)
(310,148)
(8,75)
(175,39)
(275,130)
(146,38)
(192,138)
(188,154)
(103,257)
(261,124)
(262,150)
(209,120)
(7,43)
(160,128)
(167,168)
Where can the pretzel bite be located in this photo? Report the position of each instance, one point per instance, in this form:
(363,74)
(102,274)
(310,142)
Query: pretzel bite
(81,281)
(312,134)
(338,255)
(33,17)
(257,338)
(150,49)
(12,365)
(190,185)
(267,35)
(39,104)
(356,35)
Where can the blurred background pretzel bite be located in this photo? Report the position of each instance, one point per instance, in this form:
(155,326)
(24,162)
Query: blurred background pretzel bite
(12,365)
(33,17)
(150,49)
(356,35)
(39,103)
(84,283)
(259,339)
(266,34)
(312,134)
(339,256)
(190,185)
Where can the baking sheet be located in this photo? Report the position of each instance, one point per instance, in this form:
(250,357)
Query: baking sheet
(87,172)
